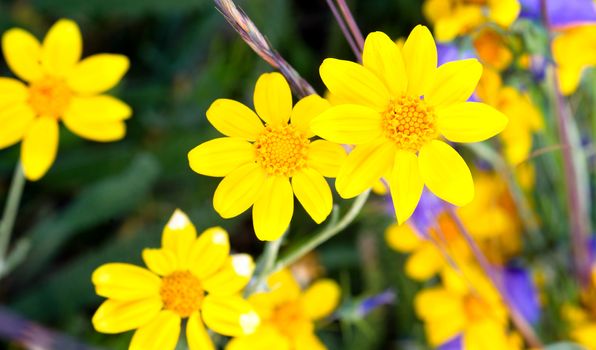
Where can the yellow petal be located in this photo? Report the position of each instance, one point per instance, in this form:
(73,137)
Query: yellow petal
(160,261)
(305,110)
(232,277)
(100,132)
(435,304)
(445,173)
(196,334)
(424,263)
(160,334)
(265,338)
(326,157)
(273,209)
(209,252)
(364,166)
(321,299)
(115,316)
(348,123)
(238,190)
(61,48)
(98,73)
(22,52)
(313,192)
(470,122)
(569,78)
(382,56)
(97,109)
(273,98)
(39,147)
(439,332)
(420,57)
(125,282)
(219,157)
(504,12)
(487,335)
(12,92)
(230,315)
(455,82)
(405,184)
(15,121)
(178,236)
(353,83)
(283,287)
(309,341)
(402,238)
(234,119)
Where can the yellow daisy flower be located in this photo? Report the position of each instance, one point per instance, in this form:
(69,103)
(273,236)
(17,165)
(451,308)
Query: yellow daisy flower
(189,277)
(399,105)
(582,325)
(456,17)
(574,50)
(288,314)
(467,306)
(264,166)
(59,86)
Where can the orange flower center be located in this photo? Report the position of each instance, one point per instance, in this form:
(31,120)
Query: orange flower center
(409,122)
(49,96)
(475,307)
(291,320)
(282,150)
(182,293)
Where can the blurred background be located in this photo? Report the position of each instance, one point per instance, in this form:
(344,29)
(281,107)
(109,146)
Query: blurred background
(106,202)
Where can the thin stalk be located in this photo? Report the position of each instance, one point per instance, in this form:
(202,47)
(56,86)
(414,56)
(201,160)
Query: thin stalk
(344,29)
(579,222)
(10,211)
(265,265)
(356,33)
(518,319)
(324,235)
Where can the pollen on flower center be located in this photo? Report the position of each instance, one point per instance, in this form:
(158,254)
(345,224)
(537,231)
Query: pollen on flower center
(49,96)
(281,150)
(182,293)
(290,319)
(409,122)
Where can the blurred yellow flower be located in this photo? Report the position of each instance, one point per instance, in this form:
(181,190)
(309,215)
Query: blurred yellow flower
(465,305)
(582,326)
(397,104)
(188,277)
(492,49)
(60,87)
(264,166)
(288,314)
(455,17)
(574,50)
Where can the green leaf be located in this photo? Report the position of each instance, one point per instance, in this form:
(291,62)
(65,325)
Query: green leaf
(564,346)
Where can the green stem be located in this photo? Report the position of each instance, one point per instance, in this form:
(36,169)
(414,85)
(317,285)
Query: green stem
(10,211)
(316,240)
(265,265)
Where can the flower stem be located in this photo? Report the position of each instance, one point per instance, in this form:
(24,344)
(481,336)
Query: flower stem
(265,265)
(10,211)
(305,247)
(356,33)
(518,319)
(344,29)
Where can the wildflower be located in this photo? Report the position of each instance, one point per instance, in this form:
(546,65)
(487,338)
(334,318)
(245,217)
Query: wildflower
(493,49)
(582,324)
(189,277)
(59,86)
(561,14)
(288,314)
(265,165)
(454,17)
(574,50)
(399,105)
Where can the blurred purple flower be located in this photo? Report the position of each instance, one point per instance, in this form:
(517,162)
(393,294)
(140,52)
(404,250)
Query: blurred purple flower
(371,303)
(428,209)
(450,52)
(522,292)
(561,13)
(453,344)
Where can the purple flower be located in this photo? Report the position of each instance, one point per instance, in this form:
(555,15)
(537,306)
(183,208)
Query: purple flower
(561,13)
(522,292)
(450,52)
(372,303)
(428,210)
(453,344)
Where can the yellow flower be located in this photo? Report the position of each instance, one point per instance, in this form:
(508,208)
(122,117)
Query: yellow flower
(492,49)
(59,87)
(265,165)
(455,17)
(582,325)
(288,314)
(399,105)
(466,305)
(188,277)
(574,50)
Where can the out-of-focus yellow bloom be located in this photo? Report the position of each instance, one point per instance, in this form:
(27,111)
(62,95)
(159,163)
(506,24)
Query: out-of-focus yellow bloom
(288,314)
(264,166)
(465,305)
(455,17)
(582,325)
(574,50)
(492,49)
(398,104)
(59,87)
(189,277)
(524,118)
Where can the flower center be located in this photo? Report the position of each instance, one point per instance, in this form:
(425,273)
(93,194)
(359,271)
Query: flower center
(281,150)
(49,96)
(182,293)
(475,307)
(409,122)
(290,319)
